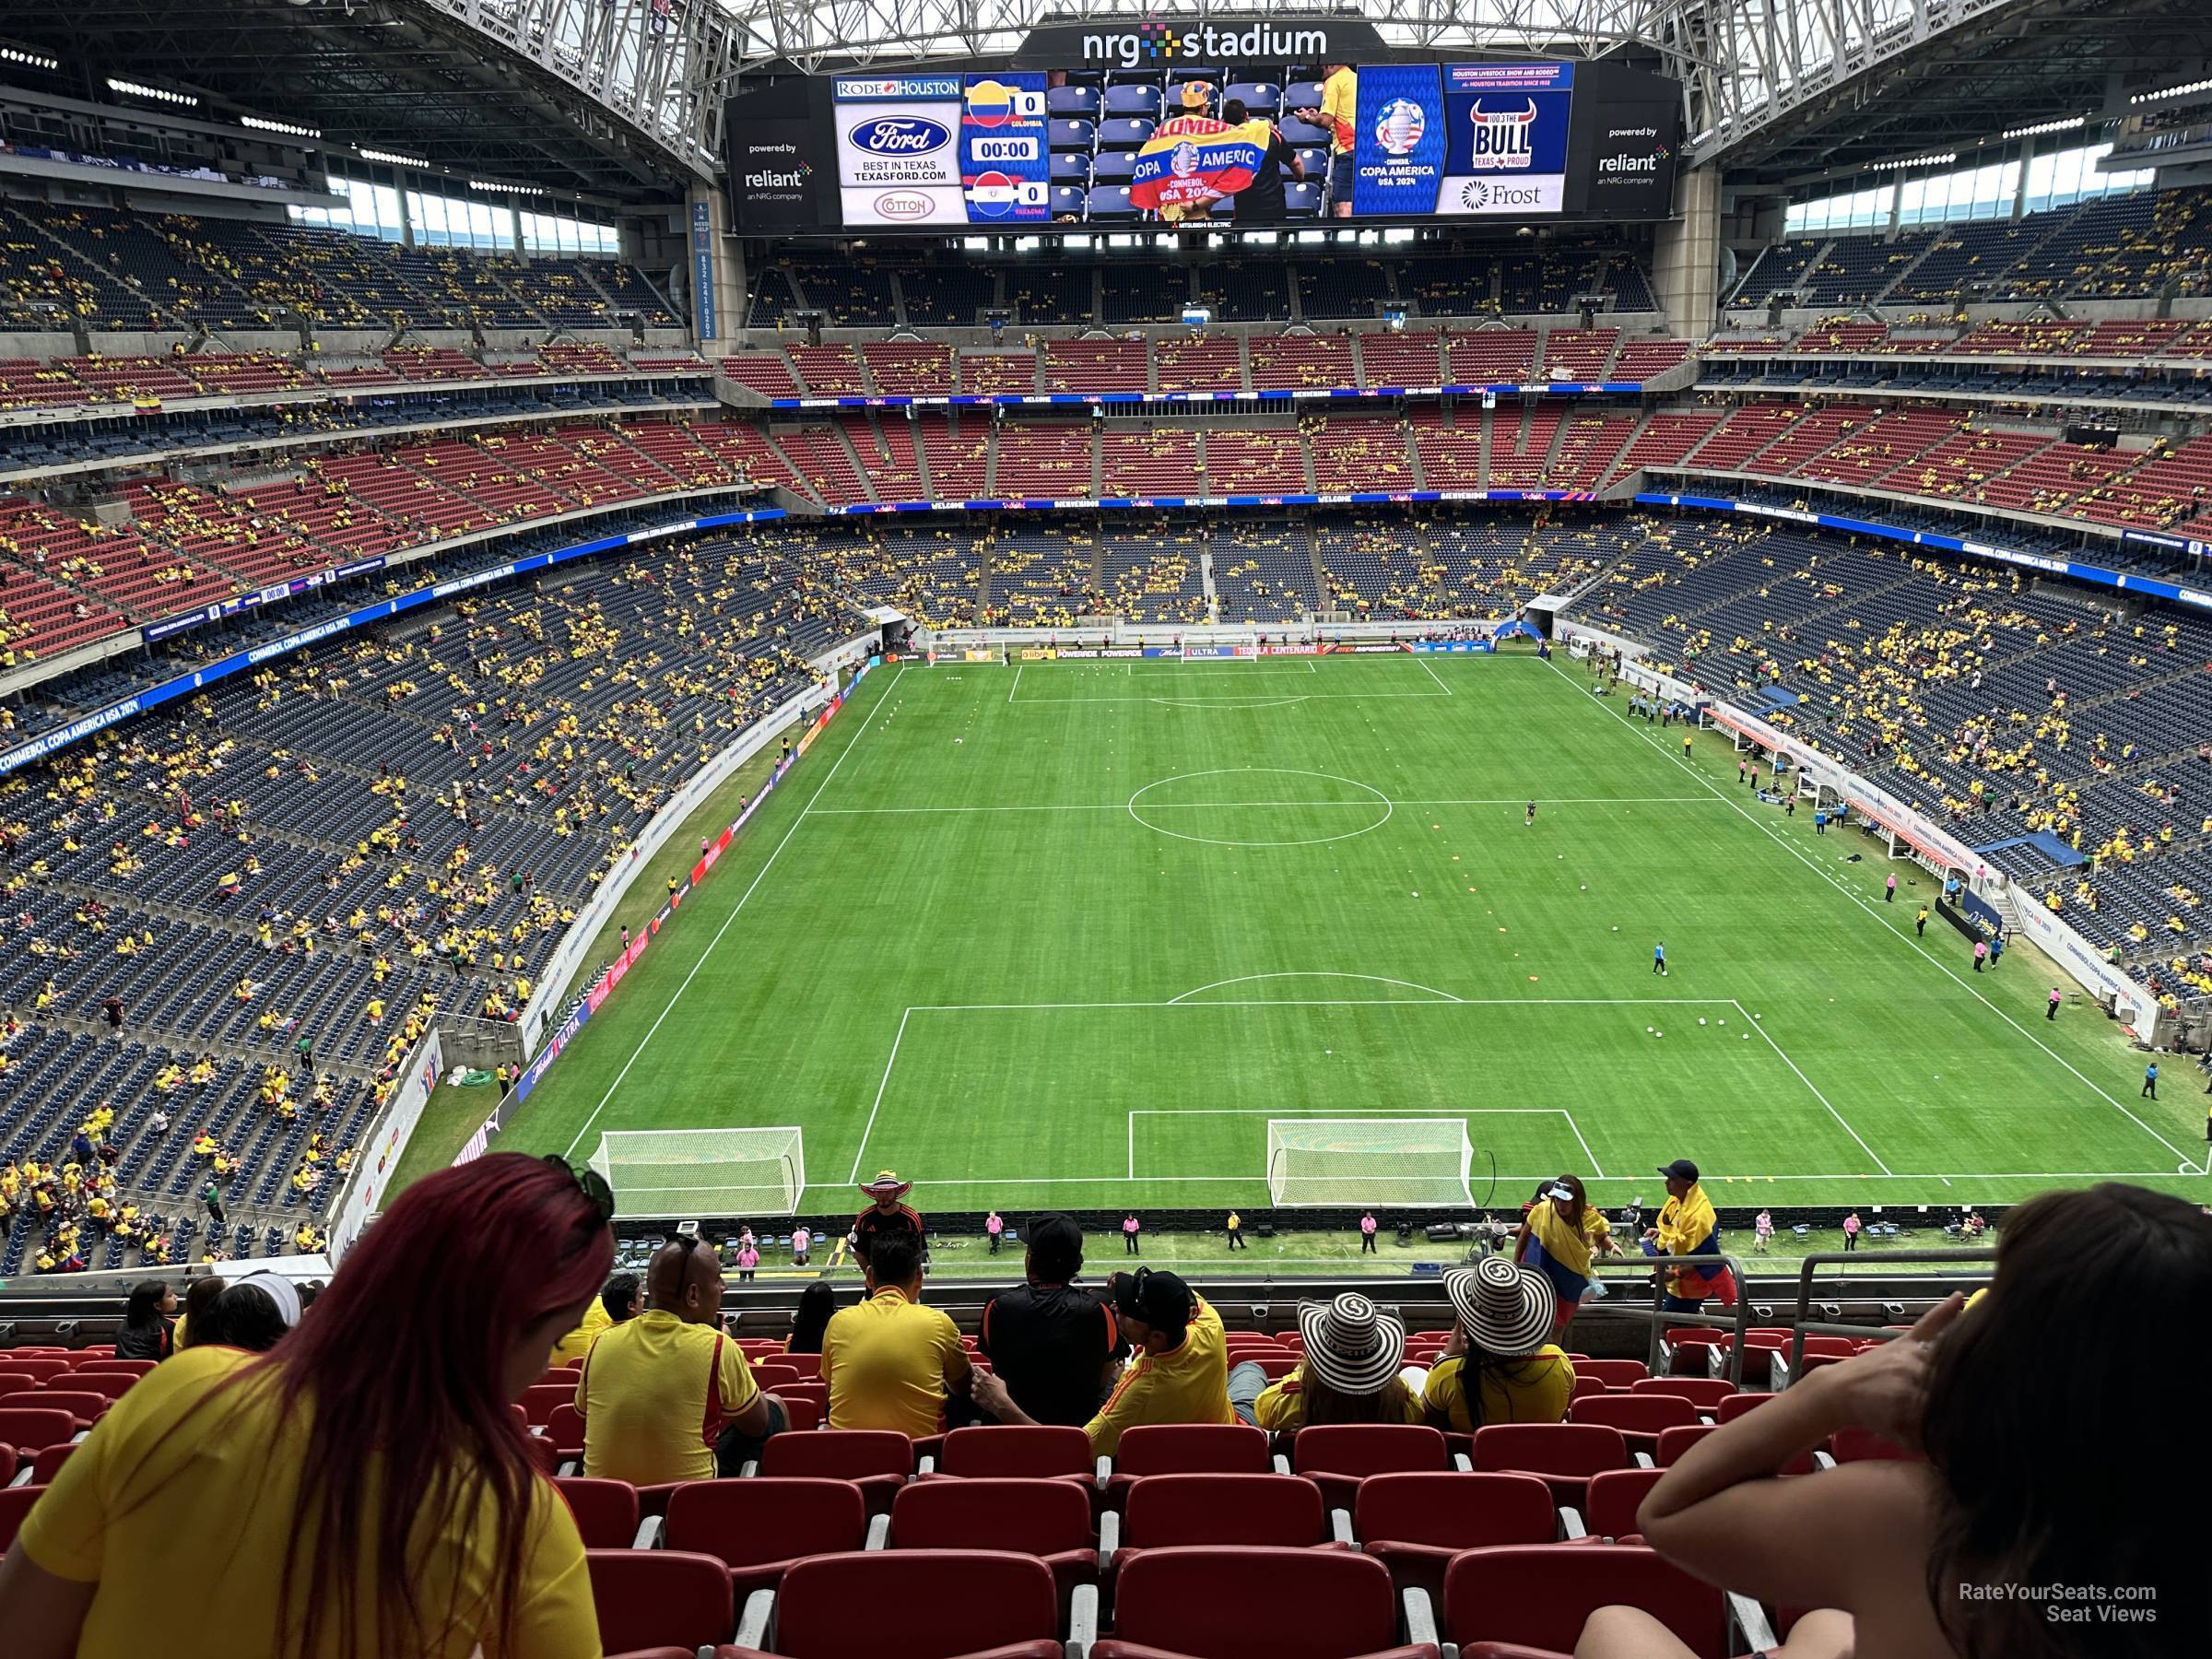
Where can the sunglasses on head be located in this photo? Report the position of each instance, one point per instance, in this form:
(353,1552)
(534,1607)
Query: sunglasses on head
(589,1181)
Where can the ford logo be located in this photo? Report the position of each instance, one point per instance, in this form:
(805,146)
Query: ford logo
(901,135)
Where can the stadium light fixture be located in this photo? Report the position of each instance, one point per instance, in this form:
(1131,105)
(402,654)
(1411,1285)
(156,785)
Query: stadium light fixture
(29,60)
(392,158)
(2065,125)
(1942,160)
(158,94)
(261,123)
(497,188)
(2186,90)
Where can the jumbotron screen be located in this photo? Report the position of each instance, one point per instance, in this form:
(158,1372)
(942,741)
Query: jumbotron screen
(1028,149)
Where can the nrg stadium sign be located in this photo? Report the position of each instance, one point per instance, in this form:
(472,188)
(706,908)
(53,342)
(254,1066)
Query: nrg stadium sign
(1168,41)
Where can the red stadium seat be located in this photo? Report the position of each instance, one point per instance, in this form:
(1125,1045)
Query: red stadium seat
(939,1603)
(1736,1405)
(1614,1498)
(1337,1457)
(878,1460)
(1565,1454)
(1588,1385)
(659,1599)
(1613,1373)
(48,1462)
(803,1413)
(7,1464)
(15,1503)
(37,1366)
(565,1430)
(1415,1523)
(1673,1442)
(1861,1445)
(85,1407)
(1705,1392)
(757,1528)
(541,1400)
(1049,1519)
(1210,1603)
(808,1365)
(1639,1416)
(1169,1511)
(1185,1449)
(1018,1452)
(106,1366)
(605,1511)
(31,1428)
(113,1384)
(1539,1595)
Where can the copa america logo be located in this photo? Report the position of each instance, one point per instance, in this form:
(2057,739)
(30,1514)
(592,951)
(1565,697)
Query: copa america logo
(1503,138)
(1401,126)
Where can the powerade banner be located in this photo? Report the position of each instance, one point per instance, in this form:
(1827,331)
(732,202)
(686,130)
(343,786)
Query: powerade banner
(1507,138)
(959,149)
(1195,160)
(1398,151)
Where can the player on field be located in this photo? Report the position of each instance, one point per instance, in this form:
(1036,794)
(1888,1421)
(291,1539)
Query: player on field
(1531,821)
(1659,957)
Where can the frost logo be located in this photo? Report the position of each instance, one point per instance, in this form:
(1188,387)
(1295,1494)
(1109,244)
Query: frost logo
(901,135)
(1504,139)
(1399,130)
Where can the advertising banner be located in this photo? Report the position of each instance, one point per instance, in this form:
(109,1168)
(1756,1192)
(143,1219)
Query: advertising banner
(1507,126)
(1399,150)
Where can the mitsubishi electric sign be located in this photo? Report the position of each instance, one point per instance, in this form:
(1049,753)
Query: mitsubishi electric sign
(1166,40)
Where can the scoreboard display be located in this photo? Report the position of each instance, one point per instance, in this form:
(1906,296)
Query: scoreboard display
(941,150)
(1132,141)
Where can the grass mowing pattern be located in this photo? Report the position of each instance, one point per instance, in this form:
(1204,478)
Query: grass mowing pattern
(1068,935)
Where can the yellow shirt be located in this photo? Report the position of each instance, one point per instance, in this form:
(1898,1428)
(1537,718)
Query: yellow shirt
(1339,107)
(1282,1405)
(1189,1385)
(1536,1390)
(578,1342)
(654,1393)
(1565,1244)
(146,1505)
(887,1363)
(1684,1224)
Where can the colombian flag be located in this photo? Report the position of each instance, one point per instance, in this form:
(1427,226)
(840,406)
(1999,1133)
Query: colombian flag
(1193,159)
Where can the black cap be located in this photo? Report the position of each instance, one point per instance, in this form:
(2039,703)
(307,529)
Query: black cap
(1159,1300)
(1055,1245)
(1680,1169)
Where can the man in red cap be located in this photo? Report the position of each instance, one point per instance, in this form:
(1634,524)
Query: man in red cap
(886,1214)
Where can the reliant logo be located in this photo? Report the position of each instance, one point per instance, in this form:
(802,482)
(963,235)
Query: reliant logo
(774,180)
(1629,164)
(1155,38)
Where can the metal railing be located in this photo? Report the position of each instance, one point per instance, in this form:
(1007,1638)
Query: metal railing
(1802,1326)
(1660,1320)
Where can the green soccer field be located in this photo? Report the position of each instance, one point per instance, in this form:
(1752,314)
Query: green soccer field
(1069,935)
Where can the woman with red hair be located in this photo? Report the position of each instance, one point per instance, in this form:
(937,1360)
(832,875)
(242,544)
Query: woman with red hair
(361,1489)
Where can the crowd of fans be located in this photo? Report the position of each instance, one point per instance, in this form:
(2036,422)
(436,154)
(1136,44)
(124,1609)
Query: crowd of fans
(381,1496)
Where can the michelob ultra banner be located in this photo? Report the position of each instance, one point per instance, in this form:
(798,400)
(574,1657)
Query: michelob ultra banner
(1193,161)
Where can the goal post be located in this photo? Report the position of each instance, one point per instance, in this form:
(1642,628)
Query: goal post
(1365,1160)
(948,653)
(730,1172)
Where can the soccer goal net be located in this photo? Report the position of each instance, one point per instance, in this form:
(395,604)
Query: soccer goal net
(728,1172)
(1369,1161)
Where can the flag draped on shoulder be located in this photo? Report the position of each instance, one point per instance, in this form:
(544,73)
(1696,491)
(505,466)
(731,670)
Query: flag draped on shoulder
(1193,161)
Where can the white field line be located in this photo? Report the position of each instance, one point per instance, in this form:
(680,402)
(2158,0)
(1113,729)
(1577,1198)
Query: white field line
(1945,969)
(869,1127)
(1200,806)
(1432,674)
(1759,1026)
(759,875)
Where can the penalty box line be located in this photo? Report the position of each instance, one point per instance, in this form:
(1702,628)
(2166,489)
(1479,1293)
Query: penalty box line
(1439,999)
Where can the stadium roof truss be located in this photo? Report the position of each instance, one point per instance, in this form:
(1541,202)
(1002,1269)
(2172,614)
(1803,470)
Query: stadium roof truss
(625,97)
